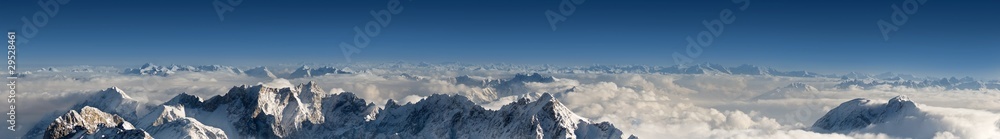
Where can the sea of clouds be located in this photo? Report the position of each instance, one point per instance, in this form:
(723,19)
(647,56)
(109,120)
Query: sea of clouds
(646,105)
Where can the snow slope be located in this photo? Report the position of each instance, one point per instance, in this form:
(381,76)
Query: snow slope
(902,118)
(91,122)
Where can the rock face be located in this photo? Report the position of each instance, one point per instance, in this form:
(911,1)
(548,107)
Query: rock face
(442,116)
(90,122)
(115,101)
(860,113)
(111,100)
(305,111)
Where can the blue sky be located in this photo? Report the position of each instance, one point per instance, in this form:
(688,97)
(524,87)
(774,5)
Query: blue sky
(943,38)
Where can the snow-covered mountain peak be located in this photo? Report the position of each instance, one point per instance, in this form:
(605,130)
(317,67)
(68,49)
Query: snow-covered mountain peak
(860,113)
(798,86)
(794,90)
(260,72)
(161,115)
(750,70)
(900,102)
(391,104)
(169,121)
(265,112)
(445,100)
(113,93)
(112,100)
(308,85)
(115,101)
(184,98)
(900,98)
(310,90)
(547,97)
(451,116)
(545,103)
(148,66)
(534,77)
(91,122)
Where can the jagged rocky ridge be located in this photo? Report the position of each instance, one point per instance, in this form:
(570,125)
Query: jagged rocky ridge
(91,122)
(112,100)
(306,111)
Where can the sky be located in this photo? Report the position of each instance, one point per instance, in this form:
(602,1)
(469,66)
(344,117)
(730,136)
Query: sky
(941,38)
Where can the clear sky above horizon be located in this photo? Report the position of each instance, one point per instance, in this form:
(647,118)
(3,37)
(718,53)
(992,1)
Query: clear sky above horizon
(942,38)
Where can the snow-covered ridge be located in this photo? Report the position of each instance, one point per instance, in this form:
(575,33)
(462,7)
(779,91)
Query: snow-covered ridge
(151,69)
(862,80)
(171,122)
(111,100)
(900,117)
(967,83)
(305,71)
(91,122)
(861,113)
(260,72)
(518,78)
(115,101)
(306,111)
(704,68)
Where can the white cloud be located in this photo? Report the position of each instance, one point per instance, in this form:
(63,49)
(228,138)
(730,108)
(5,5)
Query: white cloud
(278,83)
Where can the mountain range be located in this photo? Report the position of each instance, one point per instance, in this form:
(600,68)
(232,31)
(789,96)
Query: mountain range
(493,89)
(306,111)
